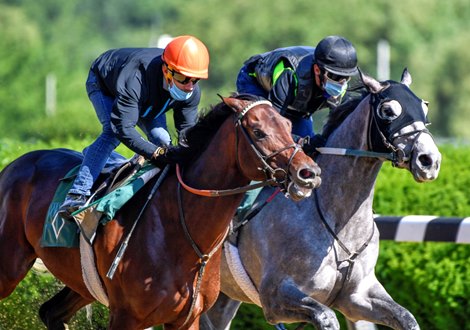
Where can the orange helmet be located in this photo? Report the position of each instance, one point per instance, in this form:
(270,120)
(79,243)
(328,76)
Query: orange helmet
(187,55)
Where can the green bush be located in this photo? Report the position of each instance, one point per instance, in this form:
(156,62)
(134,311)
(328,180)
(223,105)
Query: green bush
(16,312)
(430,279)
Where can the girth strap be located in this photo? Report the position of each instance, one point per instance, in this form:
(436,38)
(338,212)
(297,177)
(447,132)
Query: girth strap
(203,258)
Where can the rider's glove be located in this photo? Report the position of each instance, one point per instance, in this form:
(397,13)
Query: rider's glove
(310,144)
(170,155)
(158,157)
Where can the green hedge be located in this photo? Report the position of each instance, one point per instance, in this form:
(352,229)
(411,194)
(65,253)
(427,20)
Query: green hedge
(432,280)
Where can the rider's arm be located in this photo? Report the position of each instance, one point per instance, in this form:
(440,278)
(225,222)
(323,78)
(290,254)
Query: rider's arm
(124,118)
(283,91)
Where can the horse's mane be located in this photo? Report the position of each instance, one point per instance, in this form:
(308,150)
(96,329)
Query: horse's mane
(351,100)
(198,136)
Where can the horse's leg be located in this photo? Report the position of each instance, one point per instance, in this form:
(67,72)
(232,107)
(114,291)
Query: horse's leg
(58,310)
(220,315)
(12,273)
(372,303)
(14,266)
(284,302)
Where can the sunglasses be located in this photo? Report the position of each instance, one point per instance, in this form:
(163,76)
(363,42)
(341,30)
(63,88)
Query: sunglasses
(181,78)
(337,77)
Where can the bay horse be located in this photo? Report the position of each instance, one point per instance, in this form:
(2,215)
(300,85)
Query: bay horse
(159,279)
(299,262)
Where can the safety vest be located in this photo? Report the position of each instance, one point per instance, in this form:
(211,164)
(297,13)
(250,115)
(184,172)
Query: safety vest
(268,66)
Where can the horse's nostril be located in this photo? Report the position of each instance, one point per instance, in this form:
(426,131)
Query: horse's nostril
(425,160)
(307,173)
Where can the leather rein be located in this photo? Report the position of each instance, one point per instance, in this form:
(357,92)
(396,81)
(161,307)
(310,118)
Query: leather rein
(274,176)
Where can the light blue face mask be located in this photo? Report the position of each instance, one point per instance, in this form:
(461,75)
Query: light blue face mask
(178,94)
(335,89)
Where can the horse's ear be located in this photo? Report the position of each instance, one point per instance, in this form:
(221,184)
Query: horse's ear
(406,77)
(371,84)
(235,104)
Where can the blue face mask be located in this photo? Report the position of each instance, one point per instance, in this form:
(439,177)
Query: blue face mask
(335,89)
(178,94)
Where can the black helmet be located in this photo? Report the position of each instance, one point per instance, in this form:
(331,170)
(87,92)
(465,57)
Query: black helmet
(337,55)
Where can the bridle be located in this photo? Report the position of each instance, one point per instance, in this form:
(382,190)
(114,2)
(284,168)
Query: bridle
(274,176)
(383,149)
(277,175)
(271,180)
(397,155)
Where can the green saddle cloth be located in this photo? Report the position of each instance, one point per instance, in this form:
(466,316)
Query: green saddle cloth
(58,232)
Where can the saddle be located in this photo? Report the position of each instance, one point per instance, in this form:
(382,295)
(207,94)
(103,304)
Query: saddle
(117,183)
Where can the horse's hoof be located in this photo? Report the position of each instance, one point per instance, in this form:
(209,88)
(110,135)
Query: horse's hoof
(328,321)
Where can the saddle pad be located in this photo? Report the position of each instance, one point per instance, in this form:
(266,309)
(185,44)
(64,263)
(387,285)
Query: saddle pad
(239,273)
(58,232)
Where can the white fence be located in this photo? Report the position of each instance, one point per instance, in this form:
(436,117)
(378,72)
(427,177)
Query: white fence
(418,228)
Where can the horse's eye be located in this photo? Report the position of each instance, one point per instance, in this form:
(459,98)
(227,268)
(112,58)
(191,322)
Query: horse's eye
(389,110)
(259,134)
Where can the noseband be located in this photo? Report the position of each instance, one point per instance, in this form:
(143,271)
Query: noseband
(278,175)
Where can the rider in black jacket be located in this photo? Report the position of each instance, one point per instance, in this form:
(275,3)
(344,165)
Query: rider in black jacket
(300,80)
(135,87)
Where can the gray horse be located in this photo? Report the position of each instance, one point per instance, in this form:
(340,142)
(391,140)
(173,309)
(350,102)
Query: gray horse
(299,261)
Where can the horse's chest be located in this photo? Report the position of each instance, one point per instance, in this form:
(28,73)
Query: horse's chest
(332,272)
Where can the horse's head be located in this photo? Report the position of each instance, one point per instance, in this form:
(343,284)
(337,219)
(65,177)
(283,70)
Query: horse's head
(398,124)
(267,135)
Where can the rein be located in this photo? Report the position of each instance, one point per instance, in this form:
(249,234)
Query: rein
(220,193)
(358,153)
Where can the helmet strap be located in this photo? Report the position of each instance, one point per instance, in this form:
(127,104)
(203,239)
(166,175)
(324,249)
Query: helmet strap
(322,75)
(168,78)
(167,74)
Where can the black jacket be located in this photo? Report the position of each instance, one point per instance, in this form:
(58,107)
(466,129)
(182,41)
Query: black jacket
(294,93)
(134,77)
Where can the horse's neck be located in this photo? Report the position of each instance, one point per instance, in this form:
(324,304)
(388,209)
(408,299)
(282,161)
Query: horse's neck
(348,182)
(215,169)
